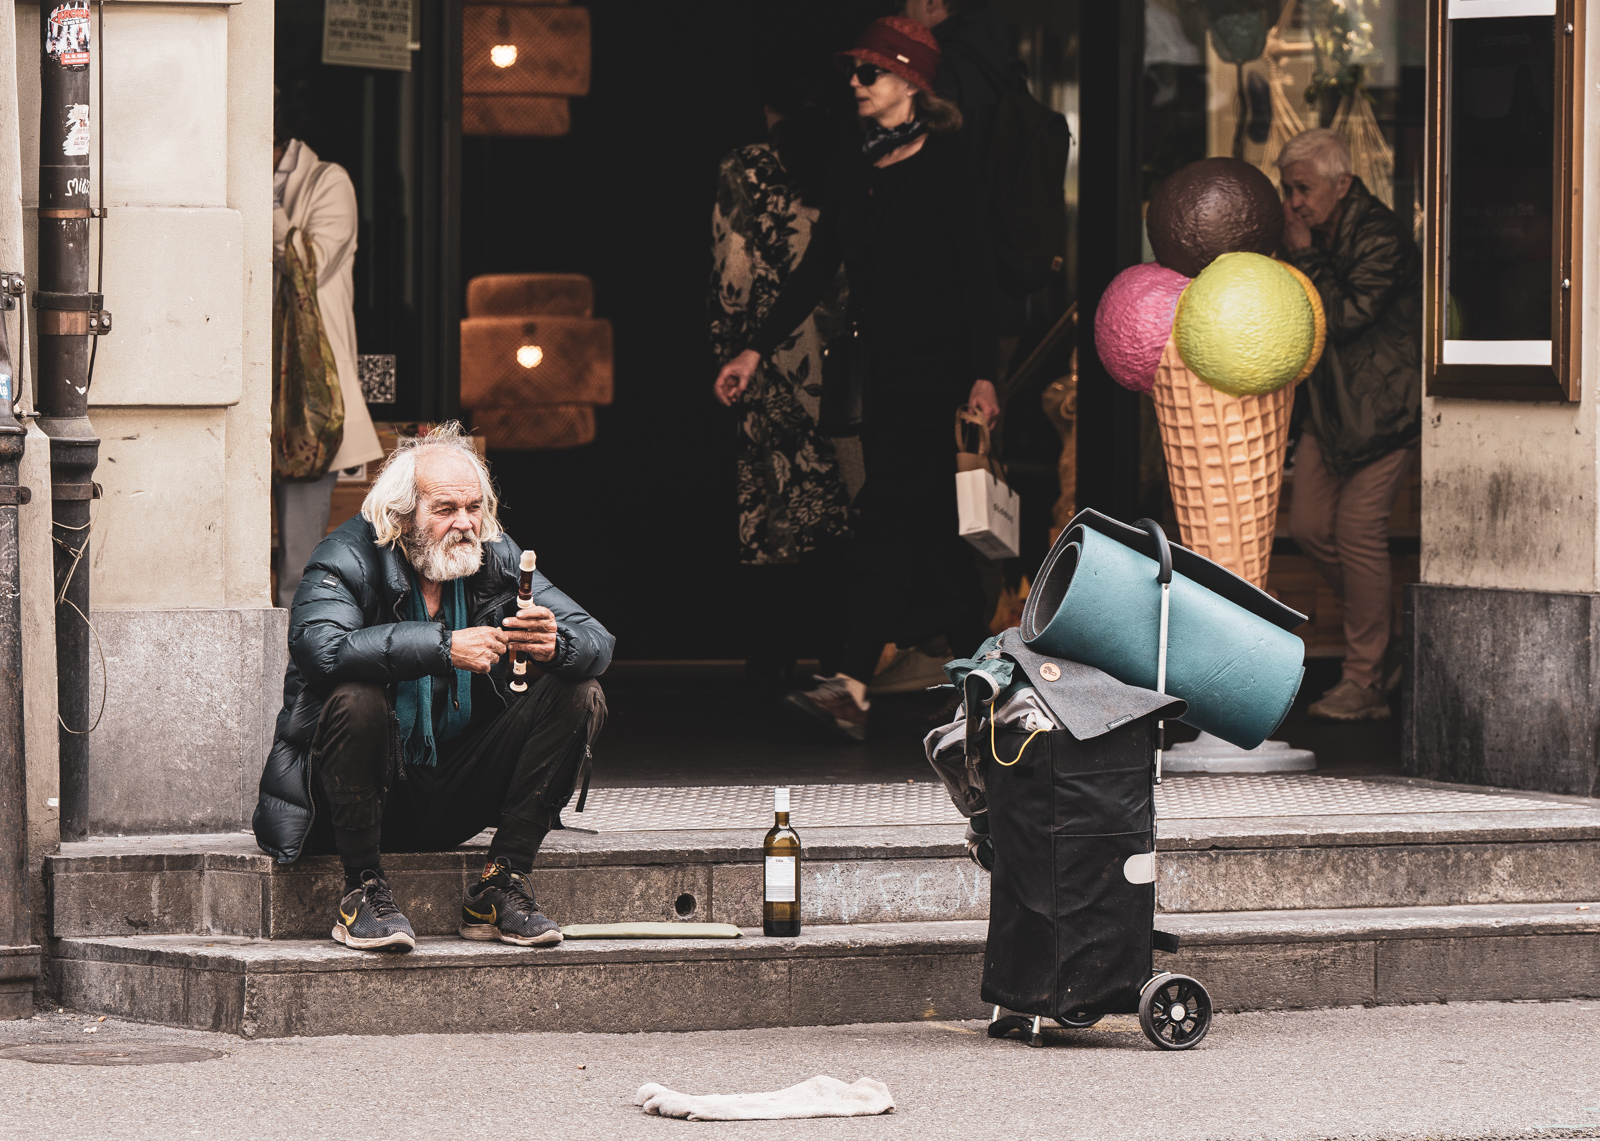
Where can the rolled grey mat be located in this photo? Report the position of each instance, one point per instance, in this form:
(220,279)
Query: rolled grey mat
(1230,654)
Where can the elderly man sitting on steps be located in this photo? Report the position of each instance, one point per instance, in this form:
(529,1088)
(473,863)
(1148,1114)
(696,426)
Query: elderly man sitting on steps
(399,732)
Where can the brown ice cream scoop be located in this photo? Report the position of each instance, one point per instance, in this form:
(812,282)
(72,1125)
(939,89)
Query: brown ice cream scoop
(1212,207)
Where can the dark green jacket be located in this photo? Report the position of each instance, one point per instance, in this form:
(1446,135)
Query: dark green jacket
(1366,394)
(345,625)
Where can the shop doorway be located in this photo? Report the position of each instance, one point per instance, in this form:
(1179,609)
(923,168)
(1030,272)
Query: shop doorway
(640,524)
(642,521)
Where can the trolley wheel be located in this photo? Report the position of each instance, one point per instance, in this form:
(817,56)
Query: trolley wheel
(1077,1020)
(1028,1024)
(1175,1011)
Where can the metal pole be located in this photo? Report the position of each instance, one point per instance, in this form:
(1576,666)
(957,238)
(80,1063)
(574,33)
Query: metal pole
(68,315)
(19,958)
(1164,577)
(1161,673)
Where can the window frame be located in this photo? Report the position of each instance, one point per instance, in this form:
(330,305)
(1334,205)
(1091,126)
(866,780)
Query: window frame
(1560,380)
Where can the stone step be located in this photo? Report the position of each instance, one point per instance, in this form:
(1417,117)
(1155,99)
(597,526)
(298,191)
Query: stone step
(831,975)
(223,885)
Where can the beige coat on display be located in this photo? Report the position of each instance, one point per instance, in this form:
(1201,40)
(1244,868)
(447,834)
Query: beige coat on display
(320,201)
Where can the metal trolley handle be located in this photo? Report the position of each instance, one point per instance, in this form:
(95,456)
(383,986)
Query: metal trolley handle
(1164,577)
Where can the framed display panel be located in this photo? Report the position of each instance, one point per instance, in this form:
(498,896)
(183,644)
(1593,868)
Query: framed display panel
(1504,199)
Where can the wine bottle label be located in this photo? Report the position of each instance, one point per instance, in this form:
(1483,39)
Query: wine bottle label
(781,877)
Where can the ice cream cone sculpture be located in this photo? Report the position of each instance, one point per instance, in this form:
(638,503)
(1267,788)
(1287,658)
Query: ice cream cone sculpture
(1224,465)
(1220,354)
(1242,335)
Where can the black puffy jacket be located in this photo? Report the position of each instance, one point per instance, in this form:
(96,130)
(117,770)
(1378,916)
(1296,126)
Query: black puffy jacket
(346,626)
(1366,393)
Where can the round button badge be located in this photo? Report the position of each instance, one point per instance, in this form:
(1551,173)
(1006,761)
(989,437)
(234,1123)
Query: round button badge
(1050,672)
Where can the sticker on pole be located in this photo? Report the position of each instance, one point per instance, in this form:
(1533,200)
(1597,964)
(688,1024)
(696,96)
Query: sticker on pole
(5,387)
(76,141)
(66,36)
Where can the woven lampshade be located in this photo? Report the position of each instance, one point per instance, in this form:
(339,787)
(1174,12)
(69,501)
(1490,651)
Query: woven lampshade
(521,294)
(534,362)
(521,116)
(519,64)
(551,49)
(572,364)
(537,426)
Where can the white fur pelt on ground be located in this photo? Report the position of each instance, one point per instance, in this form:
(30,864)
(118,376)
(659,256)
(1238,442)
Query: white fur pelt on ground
(822,1096)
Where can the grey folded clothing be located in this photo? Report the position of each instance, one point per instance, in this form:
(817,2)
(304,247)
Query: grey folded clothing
(822,1096)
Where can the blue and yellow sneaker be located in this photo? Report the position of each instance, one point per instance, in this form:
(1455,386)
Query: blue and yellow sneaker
(500,906)
(369,919)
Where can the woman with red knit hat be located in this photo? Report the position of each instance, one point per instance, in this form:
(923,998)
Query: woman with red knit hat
(904,217)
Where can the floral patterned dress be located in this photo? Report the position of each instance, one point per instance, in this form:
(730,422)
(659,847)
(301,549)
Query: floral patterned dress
(790,494)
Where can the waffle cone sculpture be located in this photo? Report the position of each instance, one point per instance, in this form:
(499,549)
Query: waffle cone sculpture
(1224,464)
(1219,334)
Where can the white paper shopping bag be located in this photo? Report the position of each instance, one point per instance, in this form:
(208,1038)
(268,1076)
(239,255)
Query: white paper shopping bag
(989,514)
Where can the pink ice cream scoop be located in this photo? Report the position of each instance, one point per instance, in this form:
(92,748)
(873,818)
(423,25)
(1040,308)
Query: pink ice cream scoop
(1134,320)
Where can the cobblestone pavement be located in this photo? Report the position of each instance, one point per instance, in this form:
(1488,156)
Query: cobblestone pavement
(1466,1071)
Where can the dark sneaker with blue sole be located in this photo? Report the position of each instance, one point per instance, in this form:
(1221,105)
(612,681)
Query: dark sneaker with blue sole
(501,907)
(370,921)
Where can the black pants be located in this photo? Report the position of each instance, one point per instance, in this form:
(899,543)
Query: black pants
(794,610)
(911,575)
(515,770)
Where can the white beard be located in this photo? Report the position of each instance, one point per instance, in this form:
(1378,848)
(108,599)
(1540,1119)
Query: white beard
(456,555)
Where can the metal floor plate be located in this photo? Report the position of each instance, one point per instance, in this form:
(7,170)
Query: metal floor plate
(883,805)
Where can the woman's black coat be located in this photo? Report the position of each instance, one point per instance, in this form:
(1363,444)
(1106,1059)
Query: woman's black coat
(914,241)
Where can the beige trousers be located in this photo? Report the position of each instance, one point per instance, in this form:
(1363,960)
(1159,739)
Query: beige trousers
(1342,526)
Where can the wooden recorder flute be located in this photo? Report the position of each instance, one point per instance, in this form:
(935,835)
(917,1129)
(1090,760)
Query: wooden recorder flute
(519,661)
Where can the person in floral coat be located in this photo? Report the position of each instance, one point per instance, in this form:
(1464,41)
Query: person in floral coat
(793,505)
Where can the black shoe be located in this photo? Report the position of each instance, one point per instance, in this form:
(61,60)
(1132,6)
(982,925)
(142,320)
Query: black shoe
(501,906)
(370,921)
(834,702)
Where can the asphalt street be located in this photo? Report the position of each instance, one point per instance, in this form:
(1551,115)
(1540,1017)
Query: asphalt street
(1476,1070)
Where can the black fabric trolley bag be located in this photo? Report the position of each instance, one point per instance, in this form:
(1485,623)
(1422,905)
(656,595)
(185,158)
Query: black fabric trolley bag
(1072,896)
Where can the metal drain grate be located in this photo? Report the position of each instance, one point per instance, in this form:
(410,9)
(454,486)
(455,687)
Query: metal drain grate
(1187,798)
(128,1054)
(750,806)
(886,805)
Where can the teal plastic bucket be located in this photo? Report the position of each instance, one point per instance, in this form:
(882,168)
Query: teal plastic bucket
(1096,601)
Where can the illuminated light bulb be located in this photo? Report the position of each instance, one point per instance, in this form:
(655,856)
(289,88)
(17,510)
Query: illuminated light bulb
(503,55)
(528,356)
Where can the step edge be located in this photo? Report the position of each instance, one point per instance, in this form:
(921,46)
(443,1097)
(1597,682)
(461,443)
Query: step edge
(1381,924)
(727,846)
(171,952)
(946,937)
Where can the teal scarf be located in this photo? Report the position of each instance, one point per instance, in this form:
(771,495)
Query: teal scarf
(413,704)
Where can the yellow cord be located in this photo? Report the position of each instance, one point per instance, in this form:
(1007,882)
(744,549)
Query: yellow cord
(1025,744)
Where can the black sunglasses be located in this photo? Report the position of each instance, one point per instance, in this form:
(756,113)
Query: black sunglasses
(866,73)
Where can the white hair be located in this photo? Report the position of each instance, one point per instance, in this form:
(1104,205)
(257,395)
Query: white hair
(1323,149)
(391,505)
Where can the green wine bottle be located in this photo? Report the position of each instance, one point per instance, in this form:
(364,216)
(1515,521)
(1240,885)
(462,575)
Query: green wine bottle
(780,908)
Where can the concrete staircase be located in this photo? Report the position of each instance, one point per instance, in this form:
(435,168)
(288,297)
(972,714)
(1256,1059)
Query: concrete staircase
(1490,899)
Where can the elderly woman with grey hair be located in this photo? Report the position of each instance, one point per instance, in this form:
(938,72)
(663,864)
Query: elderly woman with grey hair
(399,730)
(1364,403)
